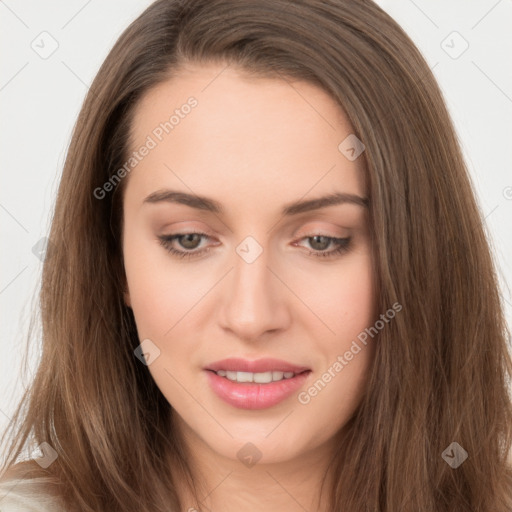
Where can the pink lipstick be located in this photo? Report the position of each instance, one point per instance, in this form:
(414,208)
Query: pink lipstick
(255,384)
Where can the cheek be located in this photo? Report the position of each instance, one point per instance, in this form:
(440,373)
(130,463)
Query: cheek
(341,296)
(347,351)
(160,292)
(338,389)
(354,309)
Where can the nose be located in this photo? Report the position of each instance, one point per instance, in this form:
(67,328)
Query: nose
(254,300)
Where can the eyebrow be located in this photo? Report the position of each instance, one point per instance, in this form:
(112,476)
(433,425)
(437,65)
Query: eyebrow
(295,208)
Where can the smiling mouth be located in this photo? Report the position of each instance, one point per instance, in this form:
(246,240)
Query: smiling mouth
(257,378)
(255,390)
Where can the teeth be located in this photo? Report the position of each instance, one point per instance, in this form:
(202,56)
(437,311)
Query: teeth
(263,378)
(231,375)
(259,378)
(244,377)
(277,375)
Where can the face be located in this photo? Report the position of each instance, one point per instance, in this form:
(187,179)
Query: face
(254,281)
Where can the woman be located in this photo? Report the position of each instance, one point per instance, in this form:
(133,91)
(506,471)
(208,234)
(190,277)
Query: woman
(268,285)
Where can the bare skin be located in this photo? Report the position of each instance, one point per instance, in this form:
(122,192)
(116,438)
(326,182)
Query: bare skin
(253,145)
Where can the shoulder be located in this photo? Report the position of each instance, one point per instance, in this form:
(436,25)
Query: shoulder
(27,494)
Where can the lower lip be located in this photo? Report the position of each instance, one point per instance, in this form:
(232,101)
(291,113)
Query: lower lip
(249,395)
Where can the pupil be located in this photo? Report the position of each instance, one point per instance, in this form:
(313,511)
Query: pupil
(323,245)
(190,238)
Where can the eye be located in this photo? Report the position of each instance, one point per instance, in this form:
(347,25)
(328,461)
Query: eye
(188,241)
(191,241)
(322,242)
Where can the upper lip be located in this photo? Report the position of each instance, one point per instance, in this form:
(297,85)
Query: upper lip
(259,366)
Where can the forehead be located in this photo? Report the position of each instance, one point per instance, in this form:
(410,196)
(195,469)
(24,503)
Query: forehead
(246,136)
(229,98)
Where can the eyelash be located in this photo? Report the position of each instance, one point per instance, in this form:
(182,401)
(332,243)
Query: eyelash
(166,241)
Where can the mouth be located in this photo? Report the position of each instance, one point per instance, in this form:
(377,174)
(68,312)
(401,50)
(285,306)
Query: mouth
(264,365)
(257,384)
(258,378)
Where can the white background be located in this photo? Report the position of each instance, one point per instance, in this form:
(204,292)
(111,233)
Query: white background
(40,100)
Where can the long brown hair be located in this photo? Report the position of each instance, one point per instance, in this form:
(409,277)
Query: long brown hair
(442,367)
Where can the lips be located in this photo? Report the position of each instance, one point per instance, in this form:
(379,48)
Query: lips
(258,366)
(244,393)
